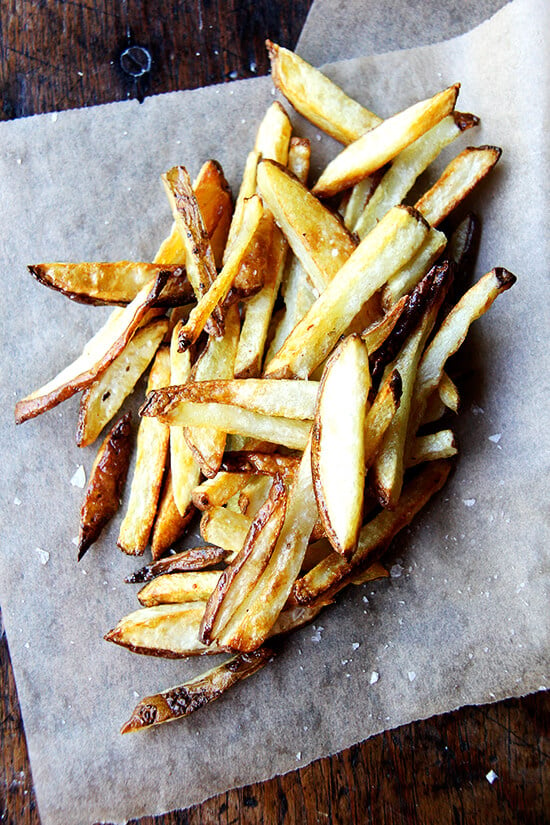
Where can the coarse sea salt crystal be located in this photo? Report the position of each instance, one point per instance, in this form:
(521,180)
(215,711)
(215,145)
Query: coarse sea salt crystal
(395,571)
(79,477)
(469,502)
(491,776)
(495,438)
(374,677)
(412,675)
(17,501)
(355,646)
(43,555)
(317,635)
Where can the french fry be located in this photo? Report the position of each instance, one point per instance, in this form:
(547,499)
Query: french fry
(225,528)
(180,701)
(411,273)
(196,558)
(393,242)
(432,447)
(459,178)
(448,393)
(228,418)
(113,283)
(253,620)
(382,143)
(215,492)
(98,353)
(318,239)
(269,463)
(317,98)
(170,525)
(215,362)
(105,396)
(334,572)
(380,415)
(452,333)
(179,588)
(408,166)
(152,448)
(248,188)
(107,479)
(299,296)
(240,578)
(338,443)
(254,494)
(220,287)
(273,137)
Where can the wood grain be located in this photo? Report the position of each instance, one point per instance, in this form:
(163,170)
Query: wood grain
(61,54)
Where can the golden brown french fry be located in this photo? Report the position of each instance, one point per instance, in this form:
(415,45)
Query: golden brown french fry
(380,415)
(152,448)
(239,579)
(253,620)
(98,353)
(107,479)
(317,98)
(216,362)
(105,396)
(179,588)
(273,137)
(432,447)
(317,237)
(408,166)
(216,491)
(459,178)
(180,701)
(254,494)
(196,558)
(334,572)
(452,333)
(382,143)
(269,463)
(225,528)
(395,240)
(113,283)
(220,287)
(299,158)
(375,571)
(448,393)
(228,418)
(411,273)
(170,525)
(169,630)
(247,189)
(338,443)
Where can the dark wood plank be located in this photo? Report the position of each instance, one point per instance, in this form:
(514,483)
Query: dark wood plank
(60,54)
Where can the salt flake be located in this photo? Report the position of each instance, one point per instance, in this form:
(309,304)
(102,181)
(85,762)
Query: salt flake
(79,478)
(491,776)
(317,635)
(355,646)
(495,438)
(374,677)
(469,502)
(395,571)
(298,756)
(412,675)
(17,501)
(43,555)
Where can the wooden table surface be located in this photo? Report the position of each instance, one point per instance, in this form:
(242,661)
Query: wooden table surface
(61,54)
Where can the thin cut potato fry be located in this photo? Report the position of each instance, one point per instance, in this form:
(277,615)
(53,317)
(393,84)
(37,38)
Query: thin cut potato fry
(248,188)
(317,98)
(113,283)
(287,399)
(152,448)
(225,528)
(254,494)
(408,165)
(182,700)
(375,335)
(216,362)
(410,274)
(196,558)
(273,138)
(239,579)
(299,296)
(184,468)
(452,333)
(179,588)
(228,418)
(317,237)
(432,447)
(381,144)
(334,572)
(459,178)
(170,525)
(299,158)
(338,443)
(253,620)
(215,492)
(375,571)
(220,287)
(448,393)
(107,479)
(395,239)
(105,396)
(169,630)
(380,415)
(98,353)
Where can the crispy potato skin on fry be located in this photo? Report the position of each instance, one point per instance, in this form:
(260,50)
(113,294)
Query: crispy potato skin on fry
(182,700)
(102,497)
(196,558)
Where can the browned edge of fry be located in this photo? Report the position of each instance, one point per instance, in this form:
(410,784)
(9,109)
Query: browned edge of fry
(465,120)
(196,558)
(107,479)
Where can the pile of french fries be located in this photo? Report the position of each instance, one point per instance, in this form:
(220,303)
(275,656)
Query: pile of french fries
(298,344)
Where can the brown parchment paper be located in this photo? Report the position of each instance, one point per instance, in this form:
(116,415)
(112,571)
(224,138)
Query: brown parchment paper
(464,617)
